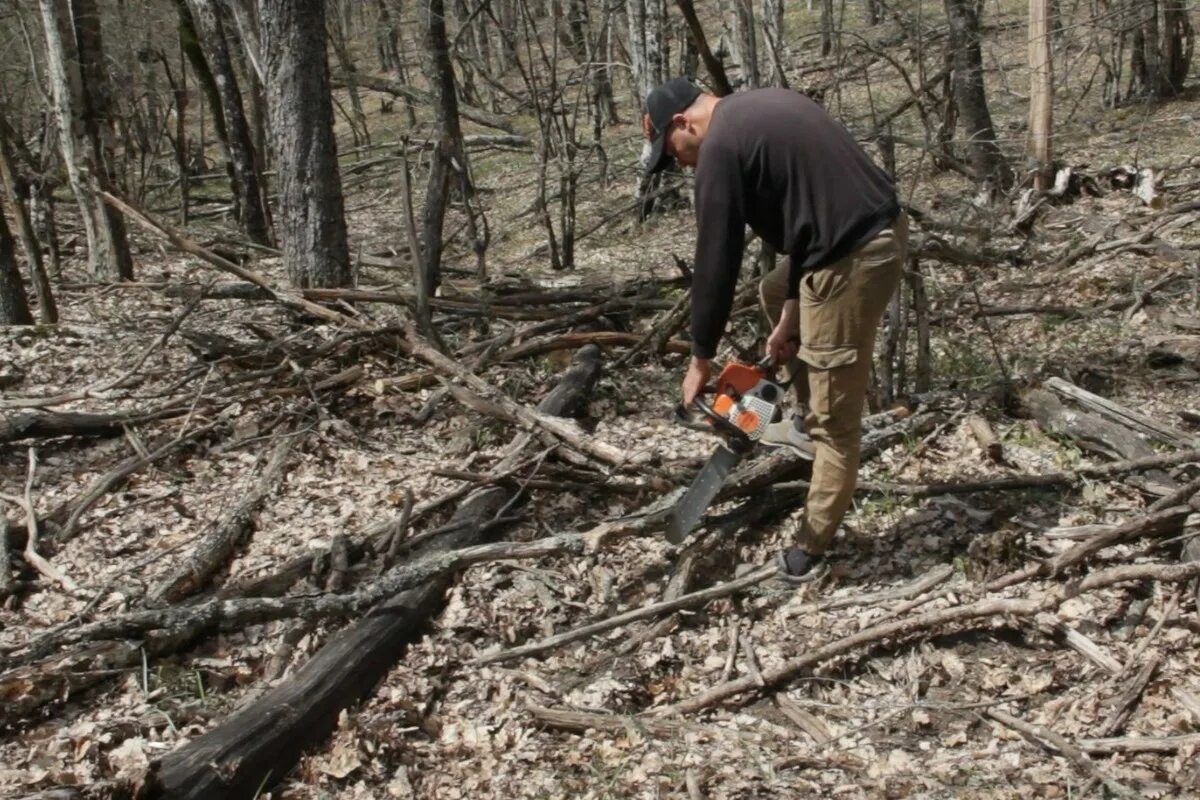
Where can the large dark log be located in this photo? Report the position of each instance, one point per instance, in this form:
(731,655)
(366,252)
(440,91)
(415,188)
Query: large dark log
(257,746)
(41,425)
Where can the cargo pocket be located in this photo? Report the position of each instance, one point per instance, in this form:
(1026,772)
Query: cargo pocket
(824,284)
(830,379)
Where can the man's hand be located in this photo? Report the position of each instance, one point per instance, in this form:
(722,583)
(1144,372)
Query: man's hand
(693,382)
(784,339)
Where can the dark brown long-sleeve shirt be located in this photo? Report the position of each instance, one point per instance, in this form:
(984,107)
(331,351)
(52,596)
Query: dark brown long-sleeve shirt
(776,161)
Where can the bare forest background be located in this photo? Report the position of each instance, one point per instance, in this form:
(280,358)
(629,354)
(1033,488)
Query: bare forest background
(337,345)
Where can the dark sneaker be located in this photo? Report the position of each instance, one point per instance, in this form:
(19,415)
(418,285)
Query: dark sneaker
(798,567)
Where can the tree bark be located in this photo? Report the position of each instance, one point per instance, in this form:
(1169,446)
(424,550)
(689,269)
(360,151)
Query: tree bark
(47,309)
(716,70)
(108,249)
(311,220)
(985,155)
(1041,93)
(440,74)
(239,144)
(14,305)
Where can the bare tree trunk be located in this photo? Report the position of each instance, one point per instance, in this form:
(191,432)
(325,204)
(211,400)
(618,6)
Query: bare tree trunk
(1161,52)
(239,146)
(1041,93)
(394,38)
(985,156)
(108,249)
(14,306)
(47,310)
(772,28)
(826,27)
(312,223)
(440,74)
(747,36)
(337,38)
(716,70)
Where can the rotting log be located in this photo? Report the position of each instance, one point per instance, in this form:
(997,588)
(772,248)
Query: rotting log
(1094,434)
(228,532)
(256,747)
(45,425)
(1122,415)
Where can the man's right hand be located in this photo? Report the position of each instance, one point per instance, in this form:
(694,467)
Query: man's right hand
(783,342)
(694,380)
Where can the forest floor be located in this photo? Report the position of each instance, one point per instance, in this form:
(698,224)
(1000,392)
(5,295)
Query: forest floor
(903,717)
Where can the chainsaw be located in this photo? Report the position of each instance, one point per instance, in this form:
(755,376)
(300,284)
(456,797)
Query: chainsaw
(747,400)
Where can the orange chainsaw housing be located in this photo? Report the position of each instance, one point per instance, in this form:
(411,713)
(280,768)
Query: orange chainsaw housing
(737,385)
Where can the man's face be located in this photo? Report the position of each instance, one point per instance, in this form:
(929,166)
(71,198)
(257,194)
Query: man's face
(682,142)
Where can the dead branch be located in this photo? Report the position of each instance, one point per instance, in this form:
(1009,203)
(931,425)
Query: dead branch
(917,587)
(652,610)
(988,608)
(571,341)
(284,297)
(582,722)
(1016,482)
(256,746)
(1129,699)
(30,553)
(1139,744)
(473,390)
(1044,737)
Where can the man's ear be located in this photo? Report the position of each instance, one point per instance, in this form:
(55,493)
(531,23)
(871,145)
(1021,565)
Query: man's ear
(681,121)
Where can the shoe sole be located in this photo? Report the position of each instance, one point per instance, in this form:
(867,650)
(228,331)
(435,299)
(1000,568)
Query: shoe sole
(813,575)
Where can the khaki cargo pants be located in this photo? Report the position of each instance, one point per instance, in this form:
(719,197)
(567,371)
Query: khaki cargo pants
(840,309)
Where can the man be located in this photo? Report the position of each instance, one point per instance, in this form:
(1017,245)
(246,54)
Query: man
(776,161)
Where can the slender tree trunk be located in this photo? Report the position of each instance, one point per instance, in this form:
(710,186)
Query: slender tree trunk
(1161,51)
(826,26)
(1041,97)
(747,35)
(14,306)
(772,28)
(47,310)
(337,38)
(239,145)
(985,155)
(716,70)
(108,249)
(439,72)
(311,221)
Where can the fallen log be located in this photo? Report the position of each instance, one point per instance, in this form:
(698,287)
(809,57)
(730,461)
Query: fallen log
(45,425)
(228,532)
(1089,431)
(1122,415)
(256,747)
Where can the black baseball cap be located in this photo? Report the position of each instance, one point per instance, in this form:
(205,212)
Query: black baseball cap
(662,104)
